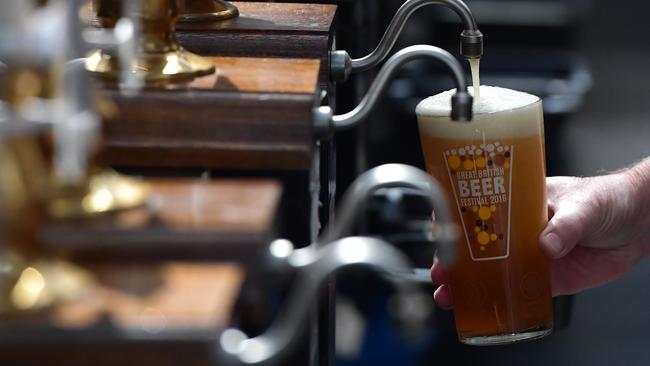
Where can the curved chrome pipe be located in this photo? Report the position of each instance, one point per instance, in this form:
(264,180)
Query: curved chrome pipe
(471,41)
(315,264)
(396,175)
(399,21)
(461,101)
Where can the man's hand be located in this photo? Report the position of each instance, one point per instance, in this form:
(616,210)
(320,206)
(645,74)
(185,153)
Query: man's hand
(599,227)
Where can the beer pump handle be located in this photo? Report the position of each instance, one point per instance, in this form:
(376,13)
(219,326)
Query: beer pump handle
(471,39)
(314,264)
(395,175)
(461,109)
(49,36)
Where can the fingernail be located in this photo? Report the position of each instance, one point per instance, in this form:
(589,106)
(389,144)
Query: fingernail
(554,243)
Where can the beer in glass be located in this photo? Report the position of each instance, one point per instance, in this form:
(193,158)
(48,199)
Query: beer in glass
(493,170)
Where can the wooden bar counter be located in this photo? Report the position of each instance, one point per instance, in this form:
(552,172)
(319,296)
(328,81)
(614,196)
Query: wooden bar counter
(165,279)
(252,114)
(222,219)
(266,29)
(133,314)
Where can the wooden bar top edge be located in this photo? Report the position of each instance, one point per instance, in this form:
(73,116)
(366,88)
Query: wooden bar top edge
(273,17)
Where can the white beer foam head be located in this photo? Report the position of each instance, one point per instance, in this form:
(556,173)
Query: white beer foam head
(499,113)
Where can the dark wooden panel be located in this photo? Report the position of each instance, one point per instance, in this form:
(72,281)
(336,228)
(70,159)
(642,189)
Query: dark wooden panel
(225,219)
(274,17)
(267,30)
(135,314)
(254,113)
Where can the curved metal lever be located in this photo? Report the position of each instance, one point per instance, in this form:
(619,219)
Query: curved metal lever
(461,109)
(315,264)
(471,44)
(396,175)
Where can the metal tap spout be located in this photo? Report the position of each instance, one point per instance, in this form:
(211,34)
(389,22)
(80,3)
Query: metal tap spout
(461,101)
(471,39)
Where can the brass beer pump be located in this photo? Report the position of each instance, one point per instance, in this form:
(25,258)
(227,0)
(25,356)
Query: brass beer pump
(29,281)
(202,11)
(46,170)
(159,60)
(82,189)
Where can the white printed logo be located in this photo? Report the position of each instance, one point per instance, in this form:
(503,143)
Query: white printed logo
(481,178)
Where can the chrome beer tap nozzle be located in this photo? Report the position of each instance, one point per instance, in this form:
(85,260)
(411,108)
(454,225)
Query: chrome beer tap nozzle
(471,44)
(461,106)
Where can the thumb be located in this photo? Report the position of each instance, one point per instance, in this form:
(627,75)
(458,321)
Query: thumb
(568,226)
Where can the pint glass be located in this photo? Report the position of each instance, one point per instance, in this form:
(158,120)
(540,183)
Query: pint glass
(493,170)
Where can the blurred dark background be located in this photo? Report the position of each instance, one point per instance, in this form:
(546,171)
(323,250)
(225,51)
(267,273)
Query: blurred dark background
(588,61)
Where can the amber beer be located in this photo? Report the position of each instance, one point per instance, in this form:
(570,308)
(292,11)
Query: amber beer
(494,171)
